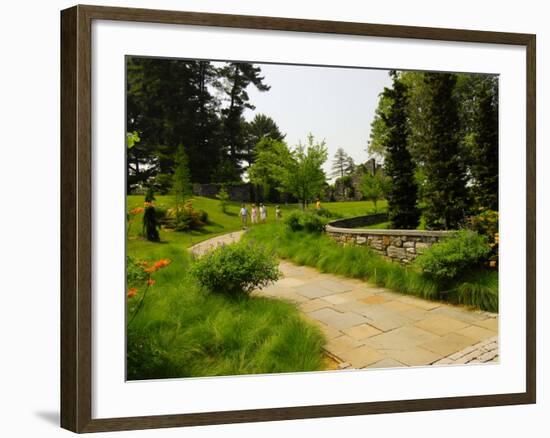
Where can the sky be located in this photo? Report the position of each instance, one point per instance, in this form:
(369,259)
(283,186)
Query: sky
(334,104)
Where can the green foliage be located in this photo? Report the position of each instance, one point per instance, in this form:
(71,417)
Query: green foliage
(303,176)
(323,212)
(271,159)
(185,218)
(236,269)
(311,222)
(447,200)
(375,187)
(134,272)
(223,196)
(260,128)
(476,287)
(150,195)
(402,192)
(181,181)
(132,138)
(163,183)
(453,256)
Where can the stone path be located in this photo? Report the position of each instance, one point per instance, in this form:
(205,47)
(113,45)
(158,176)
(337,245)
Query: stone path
(372,327)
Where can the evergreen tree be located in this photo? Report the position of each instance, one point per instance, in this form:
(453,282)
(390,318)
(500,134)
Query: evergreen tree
(259,128)
(478,97)
(236,77)
(444,164)
(342,164)
(399,167)
(182,177)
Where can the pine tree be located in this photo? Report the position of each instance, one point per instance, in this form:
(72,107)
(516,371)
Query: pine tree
(182,178)
(446,195)
(399,167)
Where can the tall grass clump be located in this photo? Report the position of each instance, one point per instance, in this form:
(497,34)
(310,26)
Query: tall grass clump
(479,288)
(184,330)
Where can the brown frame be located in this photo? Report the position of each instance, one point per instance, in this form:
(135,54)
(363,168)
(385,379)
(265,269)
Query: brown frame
(76,173)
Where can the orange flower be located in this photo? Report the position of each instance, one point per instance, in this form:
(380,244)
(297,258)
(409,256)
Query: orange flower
(132,292)
(162,263)
(150,282)
(136,210)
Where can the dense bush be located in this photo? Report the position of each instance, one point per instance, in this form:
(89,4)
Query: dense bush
(306,221)
(236,269)
(451,257)
(486,223)
(185,218)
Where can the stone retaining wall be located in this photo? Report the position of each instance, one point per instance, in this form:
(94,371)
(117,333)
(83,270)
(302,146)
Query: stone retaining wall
(398,245)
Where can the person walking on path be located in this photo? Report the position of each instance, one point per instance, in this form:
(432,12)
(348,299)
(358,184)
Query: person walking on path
(254,214)
(318,205)
(244,215)
(263,213)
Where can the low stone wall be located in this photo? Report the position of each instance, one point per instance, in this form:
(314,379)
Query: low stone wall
(236,192)
(398,245)
(360,221)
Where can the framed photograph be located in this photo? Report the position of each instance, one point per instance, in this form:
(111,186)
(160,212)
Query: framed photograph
(269,218)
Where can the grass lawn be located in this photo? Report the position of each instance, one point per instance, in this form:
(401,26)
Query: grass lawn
(477,288)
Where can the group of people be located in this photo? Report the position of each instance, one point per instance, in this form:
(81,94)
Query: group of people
(257,214)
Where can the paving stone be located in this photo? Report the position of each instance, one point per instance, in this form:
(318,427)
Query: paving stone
(338,298)
(312,290)
(448,344)
(362,331)
(384,319)
(387,363)
(441,325)
(356,294)
(476,333)
(460,313)
(399,306)
(361,357)
(374,299)
(489,323)
(328,331)
(418,302)
(414,356)
(312,305)
(335,286)
(340,345)
(290,282)
(402,338)
(336,319)
(416,314)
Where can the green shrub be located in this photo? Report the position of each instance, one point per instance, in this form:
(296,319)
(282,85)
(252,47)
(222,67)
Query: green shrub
(323,212)
(134,272)
(453,256)
(306,221)
(184,218)
(223,196)
(236,269)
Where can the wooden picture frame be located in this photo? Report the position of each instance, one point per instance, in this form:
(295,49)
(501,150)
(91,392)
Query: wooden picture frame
(76,218)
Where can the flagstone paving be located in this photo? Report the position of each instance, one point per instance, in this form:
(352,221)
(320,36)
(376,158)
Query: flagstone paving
(367,326)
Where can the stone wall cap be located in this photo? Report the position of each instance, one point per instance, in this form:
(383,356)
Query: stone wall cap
(380,232)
